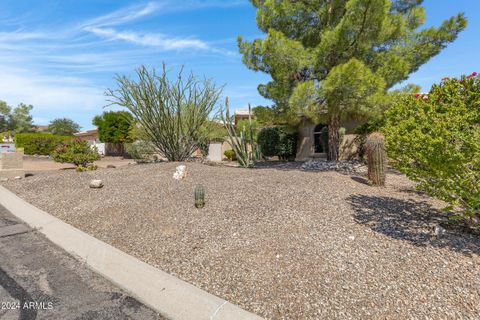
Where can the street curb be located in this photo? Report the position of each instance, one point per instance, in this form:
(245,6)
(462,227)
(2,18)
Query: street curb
(171,297)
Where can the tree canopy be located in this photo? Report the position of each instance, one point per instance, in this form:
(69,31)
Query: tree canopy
(334,59)
(114,126)
(16,119)
(63,127)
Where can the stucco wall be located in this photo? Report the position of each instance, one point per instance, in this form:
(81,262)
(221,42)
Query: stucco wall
(306,148)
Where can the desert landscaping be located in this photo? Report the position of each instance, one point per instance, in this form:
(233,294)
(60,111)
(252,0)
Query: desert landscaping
(240,160)
(278,240)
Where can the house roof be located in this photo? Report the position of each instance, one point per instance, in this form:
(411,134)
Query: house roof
(242,112)
(40,127)
(86,133)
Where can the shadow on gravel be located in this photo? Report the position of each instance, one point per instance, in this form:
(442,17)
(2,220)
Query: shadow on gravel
(412,221)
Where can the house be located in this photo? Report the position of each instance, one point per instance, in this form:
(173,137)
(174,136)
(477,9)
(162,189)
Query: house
(242,114)
(92,137)
(311,145)
(89,136)
(40,128)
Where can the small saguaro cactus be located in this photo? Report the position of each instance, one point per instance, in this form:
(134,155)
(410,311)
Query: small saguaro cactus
(376,158)
(199,196)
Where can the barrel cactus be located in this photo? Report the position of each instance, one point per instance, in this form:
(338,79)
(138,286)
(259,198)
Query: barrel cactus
(199,196)
(376,158)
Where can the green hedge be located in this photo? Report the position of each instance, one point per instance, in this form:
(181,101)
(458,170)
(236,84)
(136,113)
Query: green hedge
(278,141)
(39,143)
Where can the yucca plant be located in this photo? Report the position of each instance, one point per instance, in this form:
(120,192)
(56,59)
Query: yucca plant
(243,144)
(199,196)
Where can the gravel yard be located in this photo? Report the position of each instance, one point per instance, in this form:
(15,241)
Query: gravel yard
(278,241)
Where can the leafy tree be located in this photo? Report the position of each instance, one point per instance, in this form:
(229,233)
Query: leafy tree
(63,126)
(268,116)
(171,113)
(435,140)
(18,120)
(77,152)
(21,119)
(4,116)
(114,126)
(334,59)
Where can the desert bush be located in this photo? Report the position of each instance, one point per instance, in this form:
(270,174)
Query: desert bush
(77,152)
(434,139)
(268,141)
(171,113)
(39,143)
(278,141)
(141,151)
(229,154)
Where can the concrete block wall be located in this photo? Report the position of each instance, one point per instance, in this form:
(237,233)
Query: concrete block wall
(11,165)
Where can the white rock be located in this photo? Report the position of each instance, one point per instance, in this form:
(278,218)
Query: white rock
(96,184)
(438,231)
(17,178)
(180,173)
(351,237)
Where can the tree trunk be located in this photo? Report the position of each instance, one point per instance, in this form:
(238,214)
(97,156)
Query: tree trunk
(333,138)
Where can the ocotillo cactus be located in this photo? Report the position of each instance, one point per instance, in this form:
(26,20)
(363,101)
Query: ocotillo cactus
(199,196)
(376,158)
(245,147)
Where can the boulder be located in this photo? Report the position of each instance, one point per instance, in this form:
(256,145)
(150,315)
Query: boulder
(180,173)
(96,184)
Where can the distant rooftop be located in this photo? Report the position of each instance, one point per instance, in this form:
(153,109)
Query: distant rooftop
(242,112)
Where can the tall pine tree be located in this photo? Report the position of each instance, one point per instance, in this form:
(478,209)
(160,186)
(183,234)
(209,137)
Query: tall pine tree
(333,59)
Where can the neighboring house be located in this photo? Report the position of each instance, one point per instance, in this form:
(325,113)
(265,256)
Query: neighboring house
(91,136)
(40,128)
(241,114)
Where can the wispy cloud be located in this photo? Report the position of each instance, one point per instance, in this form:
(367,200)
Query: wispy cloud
(17,36)
(150,39)
(123,15)
(64,70)
(49,93)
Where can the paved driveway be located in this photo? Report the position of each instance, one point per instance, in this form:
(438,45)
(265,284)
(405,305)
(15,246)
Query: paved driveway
(40,281)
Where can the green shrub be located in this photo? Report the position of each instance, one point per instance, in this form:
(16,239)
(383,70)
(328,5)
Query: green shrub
(277,141)
(435,140)
(268,141)
(141,151)
(229,154)
(39,143)
(77,152)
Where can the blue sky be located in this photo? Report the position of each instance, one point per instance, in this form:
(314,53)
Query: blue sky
(61,55)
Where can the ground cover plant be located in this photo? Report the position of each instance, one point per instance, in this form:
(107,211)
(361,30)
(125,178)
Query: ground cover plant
(434,139)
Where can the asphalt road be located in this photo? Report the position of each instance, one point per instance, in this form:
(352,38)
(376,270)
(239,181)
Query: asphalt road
(38,280)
